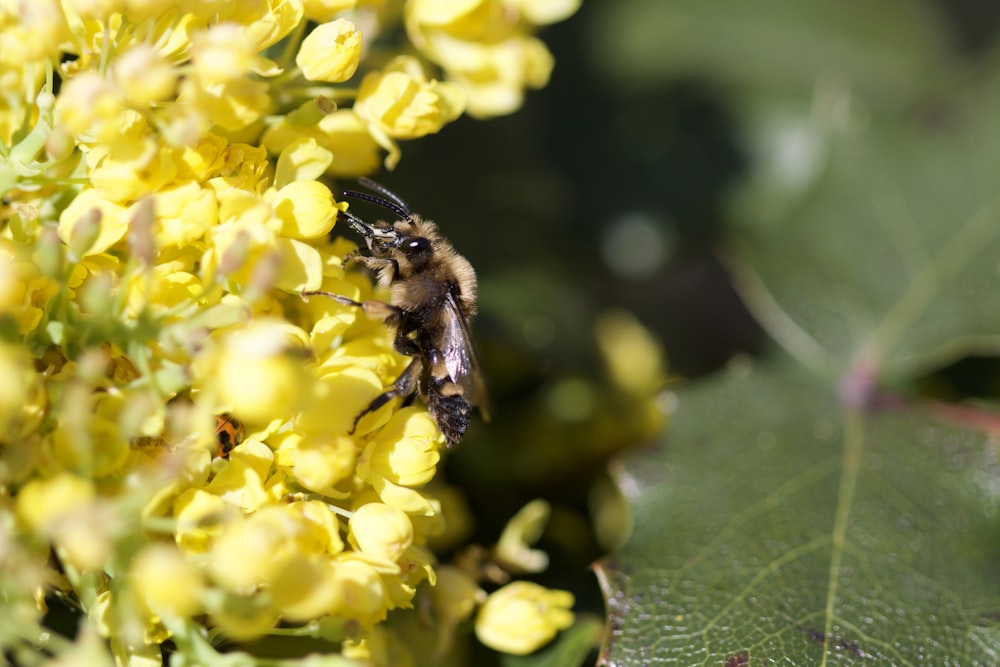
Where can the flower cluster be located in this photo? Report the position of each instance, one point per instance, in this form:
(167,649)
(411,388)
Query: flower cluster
(180,459)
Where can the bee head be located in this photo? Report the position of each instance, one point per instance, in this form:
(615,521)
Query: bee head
(417,249)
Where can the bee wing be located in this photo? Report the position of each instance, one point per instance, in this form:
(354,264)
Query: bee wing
(460,357)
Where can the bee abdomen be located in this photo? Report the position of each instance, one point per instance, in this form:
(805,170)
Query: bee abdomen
(452,414)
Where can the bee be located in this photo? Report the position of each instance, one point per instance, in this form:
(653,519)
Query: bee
(229,432)
(432,300)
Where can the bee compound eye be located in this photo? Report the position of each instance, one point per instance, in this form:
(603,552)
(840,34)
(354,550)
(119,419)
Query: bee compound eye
(416,246)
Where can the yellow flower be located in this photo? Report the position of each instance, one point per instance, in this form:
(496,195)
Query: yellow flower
(241,482)
(220,54)
(359,592)
(381,531)
(455,596)
(43,503)
(322,11)
(399,102)
(524,528)
(318,461)
(306,209)
(23,400)
(166,582)
(522,617)
(258,371)
(89,208)
(406,450)
(144,76)
(185,212)
(330,52)
(200,516)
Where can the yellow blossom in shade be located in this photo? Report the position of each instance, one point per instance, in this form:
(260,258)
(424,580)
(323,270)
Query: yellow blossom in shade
(166,582)
(359,592)
(200,516)
(330,52)
(522,617)
(513,551)
(87,208)
(380,531)
(544,12)
(242,618)
(322,527)
(306,209)
(455,595)
(399,102)
(356,151)
(305,589)
(144,76)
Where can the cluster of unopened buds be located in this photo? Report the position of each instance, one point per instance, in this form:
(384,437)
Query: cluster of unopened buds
(180,458)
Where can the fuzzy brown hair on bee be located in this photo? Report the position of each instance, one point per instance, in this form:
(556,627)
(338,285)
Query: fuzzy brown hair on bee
(432,300)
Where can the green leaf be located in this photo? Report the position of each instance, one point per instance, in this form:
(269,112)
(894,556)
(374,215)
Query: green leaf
(775,526)
(889,261)
(796,512)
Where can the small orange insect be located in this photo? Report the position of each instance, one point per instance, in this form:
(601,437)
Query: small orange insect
(229,432)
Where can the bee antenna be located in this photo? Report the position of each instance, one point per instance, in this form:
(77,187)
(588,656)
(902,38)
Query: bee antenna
(388,200)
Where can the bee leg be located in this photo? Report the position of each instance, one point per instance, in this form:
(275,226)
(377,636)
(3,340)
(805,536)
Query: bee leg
(386,268)
(404,387)
(373,308)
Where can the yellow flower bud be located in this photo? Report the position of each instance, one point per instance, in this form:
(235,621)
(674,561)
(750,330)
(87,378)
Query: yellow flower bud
(403,104)
(258,373)
(166,582)
(306,209)
(381,531)
(360,593)
(407,449)
(330,52)
(513,550)
(318,461)
(112,221)
(301,160)
(356,150)
(522,617)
